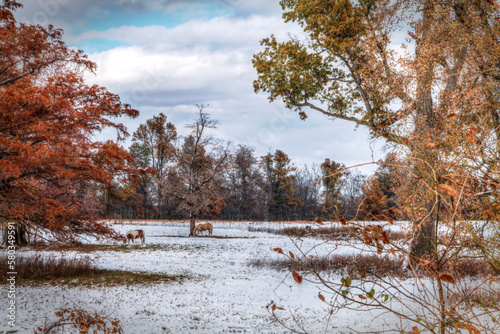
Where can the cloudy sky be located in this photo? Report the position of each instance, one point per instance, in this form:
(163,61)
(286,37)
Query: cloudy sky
(169,55)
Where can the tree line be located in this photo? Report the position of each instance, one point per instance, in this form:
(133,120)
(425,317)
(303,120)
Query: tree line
(201,176)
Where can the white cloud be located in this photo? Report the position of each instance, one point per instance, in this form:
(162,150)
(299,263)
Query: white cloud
(220,32)
(201,54)
(170,70)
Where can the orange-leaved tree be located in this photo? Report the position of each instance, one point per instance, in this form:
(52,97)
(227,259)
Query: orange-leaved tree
(48,116)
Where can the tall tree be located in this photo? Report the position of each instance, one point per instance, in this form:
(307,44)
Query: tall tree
(244,185)
(279,175)
(332,181)
(351,192)
(308,190)
(157,138)
(48,117)
(348,69)
(389,178)
(374,203)
(142,200)
(200,161)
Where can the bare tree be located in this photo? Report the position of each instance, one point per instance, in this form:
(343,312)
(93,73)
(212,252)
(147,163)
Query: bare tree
(199,161)
(308,191)
(243,191)
(351,192)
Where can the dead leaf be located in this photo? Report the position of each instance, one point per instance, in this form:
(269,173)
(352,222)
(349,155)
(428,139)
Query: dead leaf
(385,238)
(491,281)
(471,328)
(447,278)
(291,255)
(415,330)
(493,3)
(451,115)
(361,273)
(361,297)
(471,136)
(380,247)
(396,210)
(320,296)
(390,220)
(367,237)
(432,145)
(297,277)
(343,221)
(444,188)
(318,221)
(487,213)
(279,250)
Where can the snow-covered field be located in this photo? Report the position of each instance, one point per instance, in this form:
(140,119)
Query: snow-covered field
(223,294)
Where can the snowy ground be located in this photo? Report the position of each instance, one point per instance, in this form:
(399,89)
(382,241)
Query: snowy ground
(222,295)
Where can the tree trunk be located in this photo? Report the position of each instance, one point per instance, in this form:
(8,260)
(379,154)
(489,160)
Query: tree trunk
(192,220)
(20,239)
(423,243)
(424,240)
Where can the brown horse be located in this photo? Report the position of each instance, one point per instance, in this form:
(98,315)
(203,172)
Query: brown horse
(203,227)
(134,234)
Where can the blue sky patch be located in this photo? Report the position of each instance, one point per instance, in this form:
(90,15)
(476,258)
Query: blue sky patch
(181,14)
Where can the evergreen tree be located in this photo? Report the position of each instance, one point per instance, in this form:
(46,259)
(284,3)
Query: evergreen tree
(279,174)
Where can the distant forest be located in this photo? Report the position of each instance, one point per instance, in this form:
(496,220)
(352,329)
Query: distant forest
(200,176)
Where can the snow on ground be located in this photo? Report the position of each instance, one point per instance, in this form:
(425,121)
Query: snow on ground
(222,295)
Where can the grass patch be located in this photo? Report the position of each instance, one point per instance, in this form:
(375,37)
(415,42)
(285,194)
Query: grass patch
(470,267)
(374,266)
(334,232)
(346,265)
(74,271)
(117,277)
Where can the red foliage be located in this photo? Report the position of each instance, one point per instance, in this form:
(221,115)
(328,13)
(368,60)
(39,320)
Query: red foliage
(48,115)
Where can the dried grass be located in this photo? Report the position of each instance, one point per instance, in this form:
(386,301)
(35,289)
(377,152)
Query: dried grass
(371,265)
(354,266)
(334,232)
(42,268)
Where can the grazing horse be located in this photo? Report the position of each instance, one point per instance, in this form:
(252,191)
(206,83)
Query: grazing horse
(203,227)
(134,234)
